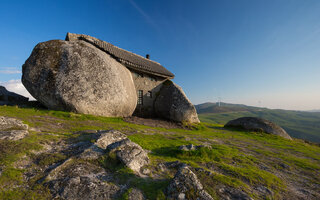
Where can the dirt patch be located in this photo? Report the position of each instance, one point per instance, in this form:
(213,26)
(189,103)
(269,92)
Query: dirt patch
(153,122)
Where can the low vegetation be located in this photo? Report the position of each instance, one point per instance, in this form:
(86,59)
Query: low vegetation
(242,160)
(302,125)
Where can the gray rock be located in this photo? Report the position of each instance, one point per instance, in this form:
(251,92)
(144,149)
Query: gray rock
(76,76)
(130,154)
(83,187)
(80,180)
(104,139)
(135,194)
(229,193)
(91,153)
(191,147)
(186,185)
(258,124)
(173,104)
(108,137)
(12,129)
(11,98)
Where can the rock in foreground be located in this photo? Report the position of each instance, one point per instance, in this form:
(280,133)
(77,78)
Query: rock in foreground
(186,185)
(76,76)
(173,104)
(258,124)
(12,129)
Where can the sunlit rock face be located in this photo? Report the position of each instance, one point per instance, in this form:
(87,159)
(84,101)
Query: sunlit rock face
(76,76)
(173,104)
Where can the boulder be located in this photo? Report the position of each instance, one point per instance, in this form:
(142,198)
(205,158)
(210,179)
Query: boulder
(12,129)
(130,154)
(186,185)
(104,139)
(172,104)
(108,137)
(11,98)
(76,76)
(258,124)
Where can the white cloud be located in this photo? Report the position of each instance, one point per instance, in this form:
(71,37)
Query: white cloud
(17,87)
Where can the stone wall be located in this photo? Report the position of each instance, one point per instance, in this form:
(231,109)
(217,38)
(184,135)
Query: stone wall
(147,83)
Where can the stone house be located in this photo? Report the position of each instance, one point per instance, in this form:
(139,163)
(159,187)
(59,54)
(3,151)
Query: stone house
(148,75)
(83,74)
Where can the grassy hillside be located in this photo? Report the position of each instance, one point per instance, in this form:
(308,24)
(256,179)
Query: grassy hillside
(303,125)
(261,165)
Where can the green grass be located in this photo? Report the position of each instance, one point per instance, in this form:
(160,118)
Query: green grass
(234,159)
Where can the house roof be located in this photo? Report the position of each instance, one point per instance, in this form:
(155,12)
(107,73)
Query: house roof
(128,58)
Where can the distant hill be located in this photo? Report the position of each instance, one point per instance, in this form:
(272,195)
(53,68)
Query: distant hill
(299,124)
(315,110)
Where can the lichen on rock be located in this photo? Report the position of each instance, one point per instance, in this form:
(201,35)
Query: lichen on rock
(12,129)
(76,76)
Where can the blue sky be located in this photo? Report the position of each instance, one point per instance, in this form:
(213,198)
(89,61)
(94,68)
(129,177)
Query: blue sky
(256,52)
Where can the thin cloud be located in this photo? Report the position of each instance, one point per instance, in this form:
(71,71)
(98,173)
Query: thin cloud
(9,70)
(147,18)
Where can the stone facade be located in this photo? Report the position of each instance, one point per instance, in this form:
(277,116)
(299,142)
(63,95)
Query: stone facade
(149,85)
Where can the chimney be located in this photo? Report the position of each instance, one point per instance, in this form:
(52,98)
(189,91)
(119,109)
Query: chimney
(148,56)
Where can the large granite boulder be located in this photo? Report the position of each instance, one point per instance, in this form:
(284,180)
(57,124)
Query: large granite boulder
(11,98)
(258,124)
(172,103)
(76,76)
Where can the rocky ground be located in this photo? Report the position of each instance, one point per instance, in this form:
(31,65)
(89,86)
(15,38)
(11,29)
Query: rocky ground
(71,156)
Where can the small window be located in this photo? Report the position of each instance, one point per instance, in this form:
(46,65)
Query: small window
(149,94)
(140,97)
(137,75)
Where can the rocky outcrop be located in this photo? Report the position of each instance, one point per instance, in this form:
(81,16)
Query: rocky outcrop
(81,181)
(78,178)
(11,98)
(258,124)
(109,137)
(186,185)
(173,104)
(12,129)
(130,154)
(76,76)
